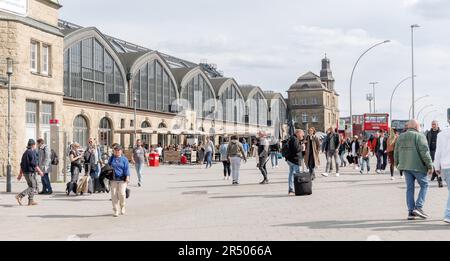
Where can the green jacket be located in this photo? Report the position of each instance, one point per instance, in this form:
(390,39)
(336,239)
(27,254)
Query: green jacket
(412,152)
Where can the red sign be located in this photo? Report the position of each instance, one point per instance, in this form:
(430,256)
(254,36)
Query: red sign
(54,121)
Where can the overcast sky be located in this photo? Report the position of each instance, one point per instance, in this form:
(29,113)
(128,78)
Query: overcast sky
(270,43)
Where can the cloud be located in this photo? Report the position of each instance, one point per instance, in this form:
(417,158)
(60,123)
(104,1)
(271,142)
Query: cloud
(430,9)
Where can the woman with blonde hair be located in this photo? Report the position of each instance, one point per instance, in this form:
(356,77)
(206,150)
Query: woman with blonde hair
(312,159)
(75,167)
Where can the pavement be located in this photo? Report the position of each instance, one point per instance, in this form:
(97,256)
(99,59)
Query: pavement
(188,203)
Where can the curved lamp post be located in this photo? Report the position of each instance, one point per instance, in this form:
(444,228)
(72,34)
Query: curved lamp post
(351,80)
(426,116)
(393,93)
(410,108)
(424,108)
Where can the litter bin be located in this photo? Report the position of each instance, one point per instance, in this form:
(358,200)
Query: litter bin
(153,160)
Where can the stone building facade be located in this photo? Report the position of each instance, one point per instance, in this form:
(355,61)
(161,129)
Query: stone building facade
(313,100)
(71,83)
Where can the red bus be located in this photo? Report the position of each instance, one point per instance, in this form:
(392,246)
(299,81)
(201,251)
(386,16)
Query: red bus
(375,122)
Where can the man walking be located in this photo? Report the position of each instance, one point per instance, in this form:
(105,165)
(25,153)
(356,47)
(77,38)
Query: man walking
(28,168)
(119,164)
(263,154)
(412,156)
(331,150)
(45,164)
(294,157)
(442,164)
(235,153)
(381,152)
(246,147)
(139,158)
(432,136)
(274,150)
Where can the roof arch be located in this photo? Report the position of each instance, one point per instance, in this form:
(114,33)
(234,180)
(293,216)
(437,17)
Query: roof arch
(220,85)
(149,57)
(92,32)
(191,74)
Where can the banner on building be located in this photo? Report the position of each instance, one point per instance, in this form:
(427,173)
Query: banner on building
(18,7)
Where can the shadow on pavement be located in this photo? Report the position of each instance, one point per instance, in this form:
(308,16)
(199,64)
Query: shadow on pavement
(67,216)
(8,205)
(375,225)
(249,196)
(226,185)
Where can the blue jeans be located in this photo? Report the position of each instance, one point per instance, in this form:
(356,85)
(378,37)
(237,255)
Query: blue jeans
(293,169)
(274,159)
(139,171)
(446,172)
(381,160)
(46,185)
(411,177)
(208,159)
(365,163)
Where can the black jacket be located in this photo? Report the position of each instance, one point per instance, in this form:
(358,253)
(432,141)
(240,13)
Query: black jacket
(274,147)
(29,161)
(326,145)
(295,151)
(432,139)
(356,147)
(377,148)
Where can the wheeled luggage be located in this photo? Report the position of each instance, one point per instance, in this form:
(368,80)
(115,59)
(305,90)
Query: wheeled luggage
(303,184)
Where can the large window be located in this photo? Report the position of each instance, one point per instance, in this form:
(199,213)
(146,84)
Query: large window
(90,73)
(232,105)
(45,60)
(200,96)
(80,131)
(258,110)
(154,88)
(105,132)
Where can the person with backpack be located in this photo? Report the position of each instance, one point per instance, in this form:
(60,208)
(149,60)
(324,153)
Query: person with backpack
(292,151)
(29,166)
(75,167)
(312,158)
(393,137)
(274,151)
(44,155)
(235,154)
(364,151)
(223,149)
(119,184)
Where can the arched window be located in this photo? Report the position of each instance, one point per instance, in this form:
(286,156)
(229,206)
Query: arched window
(199,95)
(105,132)
(232,105)
(154,88)
(91,74)
(146,138)
(162,126)
(258,110)
(80,131)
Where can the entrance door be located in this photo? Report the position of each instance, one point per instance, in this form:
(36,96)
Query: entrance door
(105,133)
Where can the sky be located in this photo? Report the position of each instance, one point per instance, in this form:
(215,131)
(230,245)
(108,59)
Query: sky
(271,43)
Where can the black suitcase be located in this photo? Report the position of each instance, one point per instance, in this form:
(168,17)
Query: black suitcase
(303,184)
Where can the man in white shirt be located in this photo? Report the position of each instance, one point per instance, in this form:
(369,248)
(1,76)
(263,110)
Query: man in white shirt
(159,150)
(442,163)
(381,152)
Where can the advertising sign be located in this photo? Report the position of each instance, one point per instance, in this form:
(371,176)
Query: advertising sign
(18,7)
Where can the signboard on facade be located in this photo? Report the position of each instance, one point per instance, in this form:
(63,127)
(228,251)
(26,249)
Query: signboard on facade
(18,7)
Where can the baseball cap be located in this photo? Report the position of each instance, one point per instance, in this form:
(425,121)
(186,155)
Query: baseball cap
(31,142)
(118,147)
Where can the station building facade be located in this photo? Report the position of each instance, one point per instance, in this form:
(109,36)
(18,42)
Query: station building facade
(99,86)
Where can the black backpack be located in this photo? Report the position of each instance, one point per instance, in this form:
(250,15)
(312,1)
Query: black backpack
(54,158)
(285,149)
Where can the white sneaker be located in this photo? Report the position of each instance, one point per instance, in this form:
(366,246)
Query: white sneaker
(401,177)
(116,214)
(378,171)
(276,167)
(337,175)
(123,212)
(325,174)
(447,221)
(392,178)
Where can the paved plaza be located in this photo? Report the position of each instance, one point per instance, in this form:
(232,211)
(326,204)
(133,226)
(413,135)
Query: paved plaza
(189,203)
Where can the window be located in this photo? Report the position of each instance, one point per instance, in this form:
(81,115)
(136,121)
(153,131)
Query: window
(31,119)
(314,119)
(314,101)
(90,72)
(46,113)
(132,123)
(80,131)
(305,117)
(34,57)
(45,59)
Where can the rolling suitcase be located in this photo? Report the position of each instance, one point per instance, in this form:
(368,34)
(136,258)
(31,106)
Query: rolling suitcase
(303,184)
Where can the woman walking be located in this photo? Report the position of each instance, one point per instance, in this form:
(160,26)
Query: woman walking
(312,159)
(393,137)
(75,167)
(201,153)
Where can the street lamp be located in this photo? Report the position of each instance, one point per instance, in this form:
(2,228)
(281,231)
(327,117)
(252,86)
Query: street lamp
(9,72)
(425,107)
(351,80)
(416,101)
(393,93)
(426,116)
(413,73)
(135,121)
(374,99)
(370,98)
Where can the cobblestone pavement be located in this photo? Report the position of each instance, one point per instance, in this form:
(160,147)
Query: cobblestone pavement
(190,203)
